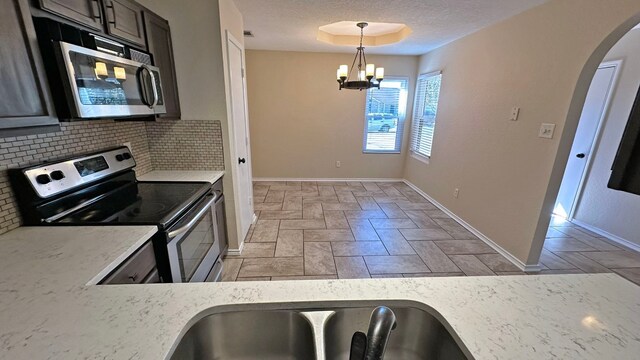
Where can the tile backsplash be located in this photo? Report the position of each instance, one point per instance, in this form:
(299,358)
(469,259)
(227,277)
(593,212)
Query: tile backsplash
(162,145)
(185,144)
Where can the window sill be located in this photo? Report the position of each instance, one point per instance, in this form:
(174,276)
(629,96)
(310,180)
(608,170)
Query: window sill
(380,152)
(421,158)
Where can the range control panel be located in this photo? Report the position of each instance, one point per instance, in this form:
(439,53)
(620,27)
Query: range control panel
(57,177)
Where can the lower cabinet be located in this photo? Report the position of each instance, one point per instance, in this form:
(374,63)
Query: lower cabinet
(139,268)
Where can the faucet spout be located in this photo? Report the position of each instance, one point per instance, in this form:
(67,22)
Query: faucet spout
(382,321)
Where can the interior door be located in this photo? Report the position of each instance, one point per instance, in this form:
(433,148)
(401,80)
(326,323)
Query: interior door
(592,115)
(240,150)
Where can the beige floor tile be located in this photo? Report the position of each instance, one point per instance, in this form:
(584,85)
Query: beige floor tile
(598,244)
(456,230)
(367,203)
(400,264)
(392,224)
(615,259)
(292,203)
(267,206)
(230,269)
(407,205)
(464,247)
(386,276)
(304,277)
(437,214)
(365,214)
(301,224)
(280,214)
(284,187)
(351,268)
(326,190)
(328,235)
(256,250)
(319,199)
(312,211)
(510,273)
(632,275)
(554,233)
(434,274)
(498,263)
(391,191)
(260,190)
(471,265)
(583,263)
(425,234)
(421,219)
(340,206)
(559,272)
(274,196)
(395,243)
(318,259)
(358,248)
(435,259)
(369,186)
(335,219)
(393,211)
(346,197)
(390,199)
(258,199)
(566,244)
(255,278)
(309,186)
(267,183)
(290,243)
(554,262)
(265,231)
(272,267)
(362,230)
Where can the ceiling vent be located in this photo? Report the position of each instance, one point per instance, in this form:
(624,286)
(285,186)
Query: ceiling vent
(248,33)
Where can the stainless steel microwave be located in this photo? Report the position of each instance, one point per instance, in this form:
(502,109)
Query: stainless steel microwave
(97,84)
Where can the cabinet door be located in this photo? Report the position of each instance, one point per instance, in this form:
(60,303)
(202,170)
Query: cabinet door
(124,20)
(24,93)
(85,12)
(159,42)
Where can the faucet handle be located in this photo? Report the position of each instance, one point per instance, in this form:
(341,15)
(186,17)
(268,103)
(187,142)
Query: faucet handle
(382,321)
(358,346)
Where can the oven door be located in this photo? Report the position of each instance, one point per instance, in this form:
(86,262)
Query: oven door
(193,243)
(99,85)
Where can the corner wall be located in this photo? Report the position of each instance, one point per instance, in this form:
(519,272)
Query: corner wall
(541,61)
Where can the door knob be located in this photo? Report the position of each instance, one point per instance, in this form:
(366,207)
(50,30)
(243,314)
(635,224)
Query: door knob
(241,160)
(580,156)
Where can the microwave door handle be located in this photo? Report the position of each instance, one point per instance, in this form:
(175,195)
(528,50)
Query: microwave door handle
(184,228)
(154,87)
(143,86)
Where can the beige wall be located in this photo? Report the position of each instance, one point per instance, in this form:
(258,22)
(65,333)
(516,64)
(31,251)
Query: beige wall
(301,124)
(508,177)
(614,212)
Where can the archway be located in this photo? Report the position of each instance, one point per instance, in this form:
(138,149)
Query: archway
(568,134)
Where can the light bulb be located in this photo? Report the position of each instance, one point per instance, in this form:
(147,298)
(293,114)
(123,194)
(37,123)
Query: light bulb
(371,68)
(344,70)
(362,75)
(380,73)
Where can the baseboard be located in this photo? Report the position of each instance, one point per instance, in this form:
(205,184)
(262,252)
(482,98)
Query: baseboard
(236,251)
(616,239)
(522,266)
(329,179)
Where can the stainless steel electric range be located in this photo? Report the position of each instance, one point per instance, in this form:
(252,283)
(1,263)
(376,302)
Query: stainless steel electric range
(101,189)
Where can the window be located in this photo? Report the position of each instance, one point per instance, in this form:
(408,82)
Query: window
(424,113)
(384,116)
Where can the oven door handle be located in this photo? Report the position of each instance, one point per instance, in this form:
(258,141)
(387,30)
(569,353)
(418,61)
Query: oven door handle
(184,228)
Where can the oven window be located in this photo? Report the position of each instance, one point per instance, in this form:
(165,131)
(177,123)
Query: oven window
(195,245)
(104,82)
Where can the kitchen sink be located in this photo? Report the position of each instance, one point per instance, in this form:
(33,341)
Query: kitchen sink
(268,335)
(418,335)
(318,333)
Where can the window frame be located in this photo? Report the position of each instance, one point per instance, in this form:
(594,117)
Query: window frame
(402,117)
(417,105)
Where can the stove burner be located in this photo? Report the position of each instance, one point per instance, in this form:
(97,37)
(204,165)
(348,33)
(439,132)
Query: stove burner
(147,208)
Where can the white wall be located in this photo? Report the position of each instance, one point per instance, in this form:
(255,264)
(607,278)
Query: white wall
(614,212)
(537,60)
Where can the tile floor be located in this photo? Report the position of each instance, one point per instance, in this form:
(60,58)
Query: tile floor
(329,230)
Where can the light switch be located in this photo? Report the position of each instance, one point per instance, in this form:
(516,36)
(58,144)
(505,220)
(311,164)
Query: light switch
(515,112)
(546,131)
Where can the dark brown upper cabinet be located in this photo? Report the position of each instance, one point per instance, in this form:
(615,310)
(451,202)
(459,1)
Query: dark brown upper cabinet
(159,42)
(85,12)
(124,21)
(25,101)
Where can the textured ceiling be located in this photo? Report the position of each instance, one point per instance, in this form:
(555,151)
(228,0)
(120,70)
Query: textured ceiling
(293,24)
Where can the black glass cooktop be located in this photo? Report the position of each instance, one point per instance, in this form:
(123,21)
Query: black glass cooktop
(154,203)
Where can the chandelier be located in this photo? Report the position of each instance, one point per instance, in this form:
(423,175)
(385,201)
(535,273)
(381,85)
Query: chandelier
(365,72)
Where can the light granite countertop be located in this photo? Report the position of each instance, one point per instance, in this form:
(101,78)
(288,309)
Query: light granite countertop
(182,175)
(51,310)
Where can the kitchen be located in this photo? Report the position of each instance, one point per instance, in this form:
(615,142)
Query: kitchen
(54,301)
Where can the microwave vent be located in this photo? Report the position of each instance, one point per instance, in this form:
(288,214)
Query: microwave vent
(140,57)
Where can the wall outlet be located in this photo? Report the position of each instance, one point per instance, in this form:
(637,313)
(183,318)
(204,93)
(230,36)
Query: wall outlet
(338,164)
(456,192)
(546,131)
(515,113)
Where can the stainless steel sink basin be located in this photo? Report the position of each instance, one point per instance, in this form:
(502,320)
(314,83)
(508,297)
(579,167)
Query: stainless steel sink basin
(419,335)
(269,335)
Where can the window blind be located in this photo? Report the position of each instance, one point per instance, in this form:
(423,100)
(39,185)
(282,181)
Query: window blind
(385,110)
(424,113)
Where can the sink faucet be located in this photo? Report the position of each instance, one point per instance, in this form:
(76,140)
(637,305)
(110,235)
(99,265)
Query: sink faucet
(382,321)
